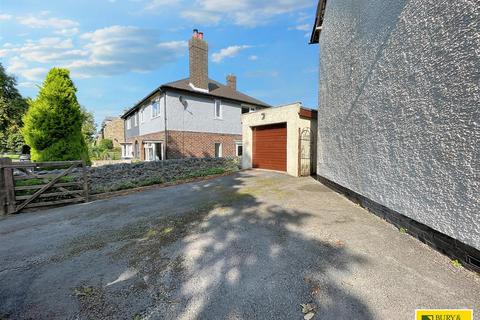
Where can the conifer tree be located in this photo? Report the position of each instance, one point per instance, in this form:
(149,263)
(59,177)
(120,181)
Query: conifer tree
(53,123)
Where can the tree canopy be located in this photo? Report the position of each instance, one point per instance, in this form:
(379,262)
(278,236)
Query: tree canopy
(12,107)
(89,128)
(53,123)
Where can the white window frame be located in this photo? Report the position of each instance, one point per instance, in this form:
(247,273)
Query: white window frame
(220,115)
(252,109)
(153,104)
(142,115)
(220,149)
(135,119)
(127,151)
(238,144)
(129,124)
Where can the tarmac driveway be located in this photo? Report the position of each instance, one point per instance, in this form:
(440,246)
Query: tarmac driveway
(254,245)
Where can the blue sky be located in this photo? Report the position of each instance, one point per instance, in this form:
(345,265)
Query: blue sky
(120,50)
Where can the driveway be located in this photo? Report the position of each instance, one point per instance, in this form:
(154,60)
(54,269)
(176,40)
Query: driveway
(254,245)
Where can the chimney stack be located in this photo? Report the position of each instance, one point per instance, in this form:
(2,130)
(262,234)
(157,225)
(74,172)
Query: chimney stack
(198,48)
(232,81)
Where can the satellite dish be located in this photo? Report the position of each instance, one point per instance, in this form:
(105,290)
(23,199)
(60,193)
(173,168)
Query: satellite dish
(183,101)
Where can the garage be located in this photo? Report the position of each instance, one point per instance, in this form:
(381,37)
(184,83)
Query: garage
(270,147)
(282,138)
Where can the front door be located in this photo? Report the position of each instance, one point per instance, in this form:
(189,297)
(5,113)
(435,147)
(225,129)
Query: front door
(158,151)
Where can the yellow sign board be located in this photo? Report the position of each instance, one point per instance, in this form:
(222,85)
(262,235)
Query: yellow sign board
(445,314)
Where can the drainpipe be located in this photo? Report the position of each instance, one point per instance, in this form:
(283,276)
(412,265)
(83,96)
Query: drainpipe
(165,116)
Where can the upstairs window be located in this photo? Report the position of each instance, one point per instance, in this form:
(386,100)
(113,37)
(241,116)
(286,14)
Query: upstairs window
(142,115)
(218,109)
(129,123)
(155,109)
(135,119)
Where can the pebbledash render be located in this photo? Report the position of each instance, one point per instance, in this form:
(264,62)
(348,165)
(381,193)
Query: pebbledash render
(399,127)
(192,117)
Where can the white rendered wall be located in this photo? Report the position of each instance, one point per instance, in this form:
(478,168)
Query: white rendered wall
(199,115)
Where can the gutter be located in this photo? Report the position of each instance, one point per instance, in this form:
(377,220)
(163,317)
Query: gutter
(317,26)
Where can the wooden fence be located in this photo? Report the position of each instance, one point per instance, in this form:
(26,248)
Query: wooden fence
(39,184)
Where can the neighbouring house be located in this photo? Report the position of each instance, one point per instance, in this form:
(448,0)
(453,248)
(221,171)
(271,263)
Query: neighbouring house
(192,117)
(281,138)
(399,101)
(113,129)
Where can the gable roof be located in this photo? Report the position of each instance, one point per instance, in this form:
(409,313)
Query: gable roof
(215,89)
(317,26)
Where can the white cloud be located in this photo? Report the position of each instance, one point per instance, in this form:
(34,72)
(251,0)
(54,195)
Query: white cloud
(46,22)
(248,13)
(202,17)
(302,16)
(4,17)
(228,52)
(104,52)
(120,49)
(155,4)
(19,67)
(35,74)
(44,50)
(301,27)
(253,57)
(68,32)
(15,65)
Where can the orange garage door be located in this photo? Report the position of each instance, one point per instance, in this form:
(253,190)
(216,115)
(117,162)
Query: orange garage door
(270,147)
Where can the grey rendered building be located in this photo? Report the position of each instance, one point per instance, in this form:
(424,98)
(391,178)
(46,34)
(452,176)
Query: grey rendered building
(192,117)
(399,115)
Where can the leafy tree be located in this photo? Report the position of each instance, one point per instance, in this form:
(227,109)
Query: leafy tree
(12,107)
(89,128)
(53,123)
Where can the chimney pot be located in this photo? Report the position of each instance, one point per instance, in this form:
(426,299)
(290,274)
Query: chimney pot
(200,35)
(195,33)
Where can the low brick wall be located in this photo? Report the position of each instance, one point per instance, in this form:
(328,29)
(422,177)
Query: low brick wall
(125,176)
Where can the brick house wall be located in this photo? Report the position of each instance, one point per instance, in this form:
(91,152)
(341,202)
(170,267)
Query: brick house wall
(185,144)
(113,130)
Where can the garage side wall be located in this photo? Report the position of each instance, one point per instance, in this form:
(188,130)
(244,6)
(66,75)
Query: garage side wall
(287,114)
(399,116)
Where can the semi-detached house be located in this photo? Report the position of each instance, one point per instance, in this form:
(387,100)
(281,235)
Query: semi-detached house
(192,117)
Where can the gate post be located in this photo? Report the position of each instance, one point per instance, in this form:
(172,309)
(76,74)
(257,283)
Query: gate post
(7,186)
(85,181)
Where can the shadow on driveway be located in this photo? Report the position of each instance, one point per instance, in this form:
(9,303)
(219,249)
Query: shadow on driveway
(254,245)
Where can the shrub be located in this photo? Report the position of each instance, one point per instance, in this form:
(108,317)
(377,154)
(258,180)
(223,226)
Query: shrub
(105,144)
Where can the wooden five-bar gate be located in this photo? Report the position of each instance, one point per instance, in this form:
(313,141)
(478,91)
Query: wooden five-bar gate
(38,184)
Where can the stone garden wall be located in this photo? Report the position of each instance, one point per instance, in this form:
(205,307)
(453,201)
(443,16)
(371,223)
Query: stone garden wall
(130,175)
